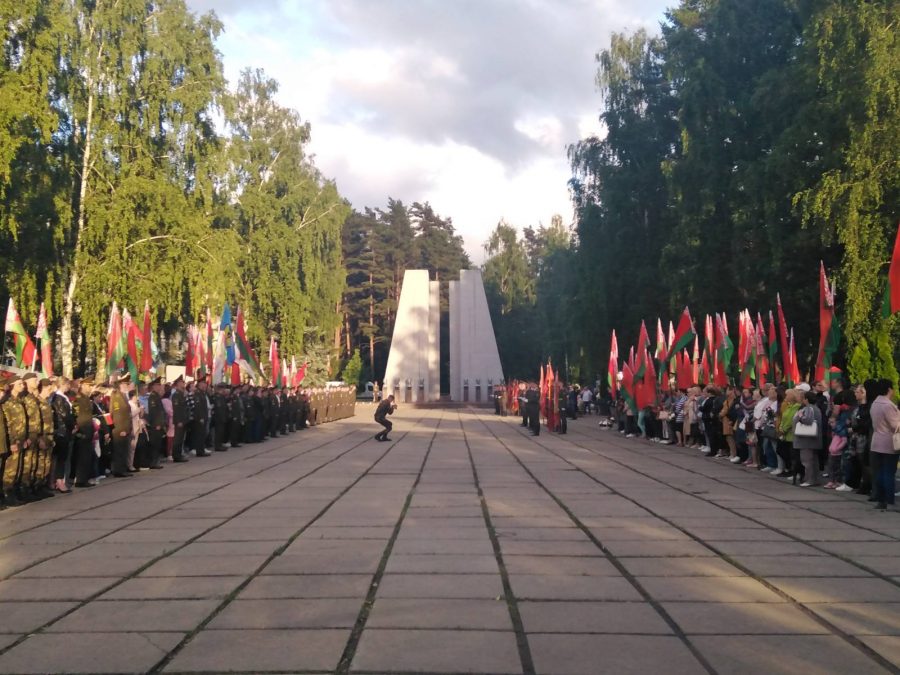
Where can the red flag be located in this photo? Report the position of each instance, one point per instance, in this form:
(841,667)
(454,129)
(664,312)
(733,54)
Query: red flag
(643,344)
(613,368)
(190,365)
(301,373)
(795,366)
(684,333)
(542,403)
(829,335)
(24,347)
(42,333)
(147,341)
(208,365)
(685,371)
(650,391)
(275,363)
(892,292)
(116,349)
(628,387)
(762,359)
(783,339)
(235,373)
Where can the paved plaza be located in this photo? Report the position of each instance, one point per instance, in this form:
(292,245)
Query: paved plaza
(462,546)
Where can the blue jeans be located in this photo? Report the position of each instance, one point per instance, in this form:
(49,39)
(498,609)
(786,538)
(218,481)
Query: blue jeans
(884,469)
(770,452)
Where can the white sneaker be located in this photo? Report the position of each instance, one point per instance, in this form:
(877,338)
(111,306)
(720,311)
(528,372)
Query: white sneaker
(629,435)
(806,484)
(734,460)
(843,488)
(765,469)
(704,448)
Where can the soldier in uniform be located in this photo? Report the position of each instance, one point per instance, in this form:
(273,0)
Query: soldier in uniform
(266,400)
(42,484)
(17,439)
(220,417)
(523,403)
(156,424)
(236,412)
(83,409)
(35,427)
(275,420)
(302,410)
(249,412)
(179,420)
(200,425)
(121,431)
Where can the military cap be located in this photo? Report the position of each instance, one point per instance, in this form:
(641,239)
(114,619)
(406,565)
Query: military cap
(156,380)
(178,379)
(13,379)
(29,376)
(124,378)
(87,379)
(45,382)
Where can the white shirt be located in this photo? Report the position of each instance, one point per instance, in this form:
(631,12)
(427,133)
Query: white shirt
(759,410)
(587,395)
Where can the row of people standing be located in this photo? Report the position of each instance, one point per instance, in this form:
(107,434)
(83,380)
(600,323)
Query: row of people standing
(58,434)
(844,434)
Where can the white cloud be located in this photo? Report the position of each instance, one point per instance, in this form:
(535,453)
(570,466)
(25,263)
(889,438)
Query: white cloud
(468,104)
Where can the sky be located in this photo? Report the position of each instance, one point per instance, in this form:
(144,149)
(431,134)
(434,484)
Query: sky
(467,104)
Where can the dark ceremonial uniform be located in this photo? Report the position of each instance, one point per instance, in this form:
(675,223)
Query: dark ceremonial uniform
(156,428)
(63,432)
(83,409)
(532,407)
(121,433)
(236,419)
(180,420)
(220,420)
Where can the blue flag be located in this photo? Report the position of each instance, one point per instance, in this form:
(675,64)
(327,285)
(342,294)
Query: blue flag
(227,334)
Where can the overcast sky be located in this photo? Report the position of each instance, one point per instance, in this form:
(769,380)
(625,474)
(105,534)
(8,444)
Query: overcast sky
(468,104)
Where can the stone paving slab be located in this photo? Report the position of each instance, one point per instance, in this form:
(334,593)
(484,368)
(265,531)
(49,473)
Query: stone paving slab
(114,579)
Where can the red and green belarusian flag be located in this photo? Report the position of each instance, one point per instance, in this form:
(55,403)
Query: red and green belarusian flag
(133,340)
(190,355)
(147,341)
(891,302)
(661,352)
(783,341)
(42,333)
(628,388)
(274,363)
(829,330)
(612,371)
(793,377)
(762,360)
(246,355)
(22,344)
(301,373)
(116,347)
(773,347)
(643,344)
(684,334)
(673,361)
(724,352)
(206,364)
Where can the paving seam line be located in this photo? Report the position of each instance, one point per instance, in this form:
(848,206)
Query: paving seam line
(242,458)
(362,618)
(162,663)
(512,602)
(848,638)
(153,561)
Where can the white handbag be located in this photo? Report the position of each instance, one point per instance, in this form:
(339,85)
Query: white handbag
(897,441)
(810,430)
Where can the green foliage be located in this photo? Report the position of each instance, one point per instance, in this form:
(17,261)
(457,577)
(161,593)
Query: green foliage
(114,183)
(748,142)
(353,369)
(860,366)
(883,363)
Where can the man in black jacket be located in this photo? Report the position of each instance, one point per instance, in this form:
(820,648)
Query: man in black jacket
(385,408)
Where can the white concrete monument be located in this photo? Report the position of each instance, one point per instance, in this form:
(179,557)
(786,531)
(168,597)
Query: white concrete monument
(474,360)
(413,367)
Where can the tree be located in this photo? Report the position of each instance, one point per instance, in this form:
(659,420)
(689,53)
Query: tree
(353,369)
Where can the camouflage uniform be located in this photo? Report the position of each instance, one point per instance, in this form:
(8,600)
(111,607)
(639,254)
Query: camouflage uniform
(46,443)
(35,426)
(17,433)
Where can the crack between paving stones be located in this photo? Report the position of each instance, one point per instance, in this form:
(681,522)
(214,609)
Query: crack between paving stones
(242,458)
(153,561)
(231,596)
(848,638)
(828,497)
(362,618)
(614,561)
(512,602)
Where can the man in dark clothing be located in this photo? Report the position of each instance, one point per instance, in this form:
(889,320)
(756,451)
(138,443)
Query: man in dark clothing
(121,416)
(385,408)
(200,425)
(533,409)
(156,423)
(220,418)
(179,420)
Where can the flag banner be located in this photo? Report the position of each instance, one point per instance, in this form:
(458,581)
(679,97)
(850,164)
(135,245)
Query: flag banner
(612,372)
(684,334)
(147,355)
(244,351)
(22,344)
(115,341)
(642,346)
(829,332)
(891,303)
(42,334)
(227,332)
(132,337)
(207,364)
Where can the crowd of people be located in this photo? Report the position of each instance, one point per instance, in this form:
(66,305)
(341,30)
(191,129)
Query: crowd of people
(58,434)
(843,434)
